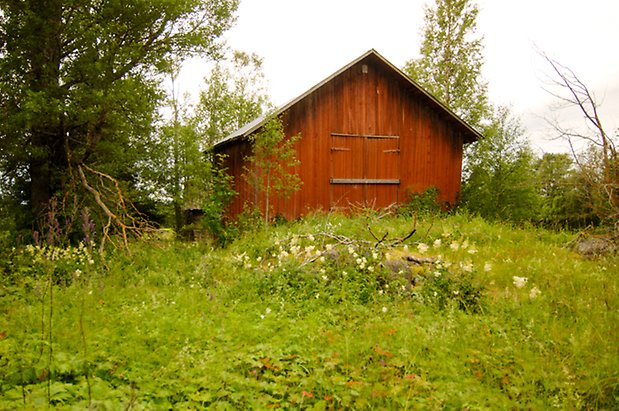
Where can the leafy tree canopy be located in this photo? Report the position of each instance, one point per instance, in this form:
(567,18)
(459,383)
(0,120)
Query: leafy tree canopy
(79,83)
(451,59)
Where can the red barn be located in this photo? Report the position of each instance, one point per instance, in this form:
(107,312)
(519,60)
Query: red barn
(369,136)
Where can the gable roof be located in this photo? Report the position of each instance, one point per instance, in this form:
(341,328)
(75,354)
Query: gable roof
(470,134)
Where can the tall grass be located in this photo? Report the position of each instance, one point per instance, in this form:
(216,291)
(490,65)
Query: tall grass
(267,322)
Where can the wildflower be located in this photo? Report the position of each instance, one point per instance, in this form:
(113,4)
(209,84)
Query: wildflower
(374,255)
(351,250)
(437,243)
(321,259)
(267,311)
(465,244)
(310,237)
(454,246)
(78,272)
(328,247)
(520,282)
(309,249)
(317,295)
(422,247)
(468,267)
(384,309)
(344,273)
(370,268)
(380,292)
(258,259)
(534,293)
(472,251)
(456,292)
(324,277)
(487,267)
(437,274)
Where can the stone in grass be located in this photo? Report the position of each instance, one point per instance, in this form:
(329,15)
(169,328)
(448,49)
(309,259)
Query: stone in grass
(595,246)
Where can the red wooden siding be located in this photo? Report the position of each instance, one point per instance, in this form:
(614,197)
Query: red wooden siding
(370,137)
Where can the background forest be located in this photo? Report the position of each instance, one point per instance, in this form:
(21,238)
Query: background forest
(485,306)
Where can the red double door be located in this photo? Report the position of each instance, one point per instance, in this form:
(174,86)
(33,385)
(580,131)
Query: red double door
(364,170)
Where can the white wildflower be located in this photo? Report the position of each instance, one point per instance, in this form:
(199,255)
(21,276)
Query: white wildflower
(534,293)
(454,246)
(465,244)
(384,309)
(374,255)
(267,311)
(310,237)
(325,278)
(317,295)
(351,250)
(321,259)
(437,243)
(468,267)
(328,247)
(520,282)
(472,251)
(487,267)
(370,268)
(437,274)
(422,247)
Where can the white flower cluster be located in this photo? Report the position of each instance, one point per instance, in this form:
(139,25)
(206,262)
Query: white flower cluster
(521,282)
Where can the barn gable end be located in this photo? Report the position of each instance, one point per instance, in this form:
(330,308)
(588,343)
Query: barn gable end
(370,136)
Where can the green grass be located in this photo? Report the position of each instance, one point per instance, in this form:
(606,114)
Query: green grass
(268,323)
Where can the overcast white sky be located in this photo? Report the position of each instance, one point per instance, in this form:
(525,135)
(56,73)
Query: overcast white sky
(304,41)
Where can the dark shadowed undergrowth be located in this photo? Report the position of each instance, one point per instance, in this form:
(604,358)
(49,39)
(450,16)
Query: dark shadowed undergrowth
(326,313)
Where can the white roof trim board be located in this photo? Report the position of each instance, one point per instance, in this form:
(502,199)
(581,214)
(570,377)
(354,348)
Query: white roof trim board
(255,124)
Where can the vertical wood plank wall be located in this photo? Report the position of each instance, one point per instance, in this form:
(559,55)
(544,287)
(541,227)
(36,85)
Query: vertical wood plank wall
(366,99)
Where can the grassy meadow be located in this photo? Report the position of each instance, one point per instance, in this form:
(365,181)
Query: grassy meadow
(326,313)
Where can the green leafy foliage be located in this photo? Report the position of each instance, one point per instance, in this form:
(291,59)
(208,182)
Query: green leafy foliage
(234,95)
(499,179)
(496,317)
(79,85)
(271,165)
(451,59)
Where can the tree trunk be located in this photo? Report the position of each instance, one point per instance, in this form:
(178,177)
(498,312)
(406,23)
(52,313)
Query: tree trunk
(47,151)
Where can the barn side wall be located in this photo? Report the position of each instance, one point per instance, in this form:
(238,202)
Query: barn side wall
(366,99)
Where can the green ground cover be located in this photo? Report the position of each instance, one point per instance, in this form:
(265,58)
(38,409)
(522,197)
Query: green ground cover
(325,313)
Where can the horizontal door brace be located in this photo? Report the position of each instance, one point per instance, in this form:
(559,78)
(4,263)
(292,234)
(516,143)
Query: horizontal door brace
(364,181)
